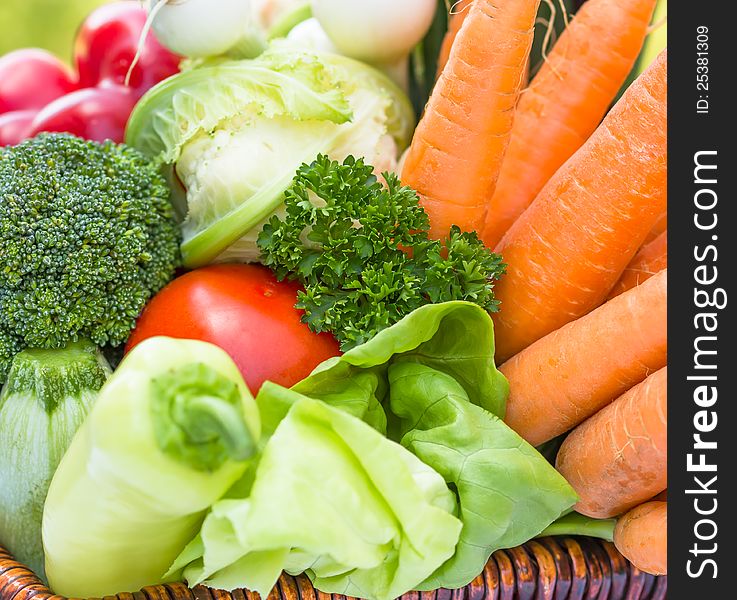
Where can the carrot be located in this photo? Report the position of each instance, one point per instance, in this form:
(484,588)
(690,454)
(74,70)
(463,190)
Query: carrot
(650,259)
(458,146)
(568,375)
(459,10)
(565,102)
(660,226)
(662,496)
(571,245)
(617,459)
(641,535)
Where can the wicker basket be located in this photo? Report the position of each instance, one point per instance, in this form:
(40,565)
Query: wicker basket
(558,568)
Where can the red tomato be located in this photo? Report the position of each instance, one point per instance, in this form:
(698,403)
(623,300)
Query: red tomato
(247,312)
(14,126)
(107,43)
(94,113)
(31,78)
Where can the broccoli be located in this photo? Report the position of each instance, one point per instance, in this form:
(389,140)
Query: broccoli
(87,236)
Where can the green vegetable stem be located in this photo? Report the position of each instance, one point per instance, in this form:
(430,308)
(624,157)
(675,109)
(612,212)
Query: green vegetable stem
(172,429)
(577,524)
(45,399)
(197,417)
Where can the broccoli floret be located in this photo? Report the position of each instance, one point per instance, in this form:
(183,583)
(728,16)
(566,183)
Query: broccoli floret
(87,236)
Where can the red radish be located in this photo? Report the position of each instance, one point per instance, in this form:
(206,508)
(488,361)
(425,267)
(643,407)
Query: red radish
(14,126)
(31,78)
(93,113)
(107,43)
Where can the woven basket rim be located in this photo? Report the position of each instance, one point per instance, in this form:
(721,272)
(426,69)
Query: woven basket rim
(551,568)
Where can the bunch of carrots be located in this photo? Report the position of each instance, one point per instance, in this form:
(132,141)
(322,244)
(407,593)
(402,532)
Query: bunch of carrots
(572,192)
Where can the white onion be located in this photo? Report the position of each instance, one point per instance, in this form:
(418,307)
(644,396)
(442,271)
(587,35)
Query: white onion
(375,31)
(310,34)
(201,28)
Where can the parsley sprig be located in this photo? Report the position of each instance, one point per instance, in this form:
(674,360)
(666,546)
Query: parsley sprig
(362,253)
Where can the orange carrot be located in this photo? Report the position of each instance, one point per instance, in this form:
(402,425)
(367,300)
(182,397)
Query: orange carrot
(662,496)
(641,535)
(570,247)
(660,226)
(617,459)
(455,20)
(568,375)
(566,101)
(458,146)
(650,259)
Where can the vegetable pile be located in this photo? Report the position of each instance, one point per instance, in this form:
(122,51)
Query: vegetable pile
(335,410)
(87,237)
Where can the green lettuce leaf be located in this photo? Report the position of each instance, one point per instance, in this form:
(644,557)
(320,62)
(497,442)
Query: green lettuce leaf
(320,498)
(507,492)
(434,377)
(456,338)
(333,498)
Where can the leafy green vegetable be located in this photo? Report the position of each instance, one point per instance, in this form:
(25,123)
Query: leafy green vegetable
(362,252)
(149,460)
(87,236)
(506,490)
(43,403)
(319,499)
(236,132)
(333,498)
(433,376)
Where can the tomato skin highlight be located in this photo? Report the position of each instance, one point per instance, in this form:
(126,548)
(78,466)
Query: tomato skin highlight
(247,312)
(31,78)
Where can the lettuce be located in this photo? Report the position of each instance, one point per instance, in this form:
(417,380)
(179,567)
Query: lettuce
(433,377)
(507,491)
(387,469)
(331,497)
(235,133)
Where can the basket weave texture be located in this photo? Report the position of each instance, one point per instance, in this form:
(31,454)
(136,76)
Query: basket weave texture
(559,568)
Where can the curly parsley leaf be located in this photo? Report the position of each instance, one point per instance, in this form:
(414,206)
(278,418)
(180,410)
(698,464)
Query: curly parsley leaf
(362,253)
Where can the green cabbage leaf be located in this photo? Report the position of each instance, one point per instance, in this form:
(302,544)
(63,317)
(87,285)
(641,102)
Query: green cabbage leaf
(235,132)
